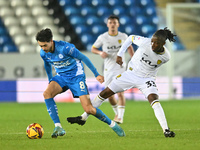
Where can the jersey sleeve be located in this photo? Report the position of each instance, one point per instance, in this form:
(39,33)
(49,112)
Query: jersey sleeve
(88,63)
(75,53)
(98,43)
(47,66)
(138,40)
(124,47)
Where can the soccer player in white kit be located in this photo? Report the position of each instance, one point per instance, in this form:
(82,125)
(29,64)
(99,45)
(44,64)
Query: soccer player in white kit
(141,73)
(111,41)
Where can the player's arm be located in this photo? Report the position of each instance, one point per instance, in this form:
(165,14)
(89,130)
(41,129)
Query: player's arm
(123,49)
(130,50)
(72,51)
(48,70)
(90,65)
(47,66)
(96,51)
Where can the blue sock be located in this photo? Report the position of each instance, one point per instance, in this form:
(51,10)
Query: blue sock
(101,116)
(52,110)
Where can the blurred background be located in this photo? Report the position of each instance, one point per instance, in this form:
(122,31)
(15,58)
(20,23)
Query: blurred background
(22,75)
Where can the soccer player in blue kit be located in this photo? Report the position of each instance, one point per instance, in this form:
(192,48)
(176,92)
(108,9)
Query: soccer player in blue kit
(67,61)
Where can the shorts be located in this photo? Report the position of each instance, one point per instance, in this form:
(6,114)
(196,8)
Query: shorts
(76,84)
(110,75)
(128,80)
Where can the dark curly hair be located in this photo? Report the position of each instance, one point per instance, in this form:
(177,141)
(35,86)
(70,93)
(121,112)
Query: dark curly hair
(45,35)
(165,34)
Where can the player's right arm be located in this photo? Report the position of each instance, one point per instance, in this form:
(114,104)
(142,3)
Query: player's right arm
(101,53)
(47,67)
(95,47)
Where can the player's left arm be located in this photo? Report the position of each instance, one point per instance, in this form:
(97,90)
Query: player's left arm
(90,65)
(74,52)
(123,49)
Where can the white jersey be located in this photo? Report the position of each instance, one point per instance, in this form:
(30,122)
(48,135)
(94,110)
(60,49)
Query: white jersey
(145,62)
(111,45)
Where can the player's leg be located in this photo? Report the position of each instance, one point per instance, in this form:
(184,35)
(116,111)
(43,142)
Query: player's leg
(52,90)
(114,105)
(117,85)
(108,77)
(148,87)
(160,115)
(121,107)
(96,102)
(89,109)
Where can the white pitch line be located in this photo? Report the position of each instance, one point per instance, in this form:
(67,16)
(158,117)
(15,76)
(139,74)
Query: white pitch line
(109,131)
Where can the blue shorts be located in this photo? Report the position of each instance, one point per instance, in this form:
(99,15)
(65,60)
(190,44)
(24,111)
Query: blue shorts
(77,84)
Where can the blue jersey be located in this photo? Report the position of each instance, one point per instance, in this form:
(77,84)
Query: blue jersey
(66,60)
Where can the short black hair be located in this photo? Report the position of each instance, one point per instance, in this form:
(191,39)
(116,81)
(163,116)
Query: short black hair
(113,17)
(45,35)
(165,34)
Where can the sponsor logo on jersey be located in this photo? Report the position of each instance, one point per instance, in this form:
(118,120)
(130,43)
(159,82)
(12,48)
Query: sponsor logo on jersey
(148,62)
(114,47)
(61,64)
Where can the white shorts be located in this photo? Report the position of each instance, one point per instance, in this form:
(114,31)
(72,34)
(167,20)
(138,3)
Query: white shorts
(110,75)
(129,80)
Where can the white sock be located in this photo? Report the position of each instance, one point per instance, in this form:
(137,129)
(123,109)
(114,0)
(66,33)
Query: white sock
(96,102)
(121,110)
(58,125)
(84,116)
(112,124)
(115,109)
(159,113)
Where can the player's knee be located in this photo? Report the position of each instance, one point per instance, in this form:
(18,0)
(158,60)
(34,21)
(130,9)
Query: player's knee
(120,95)
(47,95)
(106,93)
(152,97)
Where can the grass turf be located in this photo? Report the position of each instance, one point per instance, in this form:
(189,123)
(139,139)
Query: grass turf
(143,131)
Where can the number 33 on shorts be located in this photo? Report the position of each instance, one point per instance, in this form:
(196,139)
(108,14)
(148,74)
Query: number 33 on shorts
(150,83)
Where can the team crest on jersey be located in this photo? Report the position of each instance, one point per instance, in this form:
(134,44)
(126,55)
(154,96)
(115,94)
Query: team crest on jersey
(119,41)
(159,62)
(60,56)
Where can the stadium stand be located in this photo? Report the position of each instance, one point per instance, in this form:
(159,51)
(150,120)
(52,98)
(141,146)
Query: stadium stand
(89,17)
(22,20)
(75,21)
(6,43)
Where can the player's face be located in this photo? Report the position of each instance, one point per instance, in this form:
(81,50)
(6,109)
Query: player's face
(46,46)
(157,44)
(113,24)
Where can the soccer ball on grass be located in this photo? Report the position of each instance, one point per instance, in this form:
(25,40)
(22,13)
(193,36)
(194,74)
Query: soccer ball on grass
(34,131)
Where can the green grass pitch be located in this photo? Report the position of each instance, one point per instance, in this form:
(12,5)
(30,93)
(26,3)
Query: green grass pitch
(143,131)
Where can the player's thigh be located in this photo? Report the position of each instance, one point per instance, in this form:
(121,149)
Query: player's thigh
(110,75)
(148,86)
(122,82)
(79,87)
(53,88)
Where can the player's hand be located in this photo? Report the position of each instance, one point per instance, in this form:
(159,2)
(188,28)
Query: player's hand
(119,60)
(100,78)
(103,55)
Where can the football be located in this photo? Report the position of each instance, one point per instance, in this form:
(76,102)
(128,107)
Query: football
(34,131)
